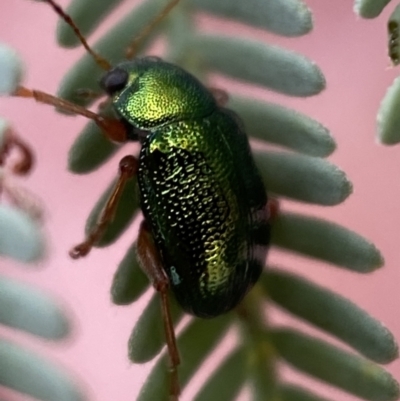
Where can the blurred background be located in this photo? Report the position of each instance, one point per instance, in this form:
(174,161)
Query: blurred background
(352,54)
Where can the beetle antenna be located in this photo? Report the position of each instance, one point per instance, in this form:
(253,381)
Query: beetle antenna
(101,61)
(131,51)
(113,128)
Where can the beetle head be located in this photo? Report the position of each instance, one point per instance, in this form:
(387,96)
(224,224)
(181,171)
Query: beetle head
(149,92)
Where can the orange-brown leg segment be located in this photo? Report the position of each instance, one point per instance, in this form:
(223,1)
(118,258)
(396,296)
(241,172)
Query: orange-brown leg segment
(128,167)
(150,261)
(114,129)
(272,208)
(102,62)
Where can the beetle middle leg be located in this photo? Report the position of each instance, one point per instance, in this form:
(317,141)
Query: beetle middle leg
(127,169)
(150,261)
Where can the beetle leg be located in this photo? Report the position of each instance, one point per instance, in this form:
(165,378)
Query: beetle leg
(151,263)
(127,169)
(272,208)
(113,128)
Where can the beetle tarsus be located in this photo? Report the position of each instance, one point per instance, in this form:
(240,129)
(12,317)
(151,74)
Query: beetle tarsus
(80,250)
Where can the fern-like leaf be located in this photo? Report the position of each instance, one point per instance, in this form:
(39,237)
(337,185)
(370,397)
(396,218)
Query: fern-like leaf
(306,178)
(23,307)
(260,347)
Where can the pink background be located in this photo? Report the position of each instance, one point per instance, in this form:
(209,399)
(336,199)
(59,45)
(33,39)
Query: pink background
(352,54)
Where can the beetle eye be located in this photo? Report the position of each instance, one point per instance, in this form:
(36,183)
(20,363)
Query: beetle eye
(114,80)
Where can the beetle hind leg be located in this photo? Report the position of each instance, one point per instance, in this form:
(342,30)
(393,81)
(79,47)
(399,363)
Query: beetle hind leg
(150,262)
(272,207)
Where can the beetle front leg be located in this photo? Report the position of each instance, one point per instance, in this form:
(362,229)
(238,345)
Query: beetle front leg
(113,128)
(150,261)
(128,167)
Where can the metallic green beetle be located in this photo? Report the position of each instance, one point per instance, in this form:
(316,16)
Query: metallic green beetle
(200,190)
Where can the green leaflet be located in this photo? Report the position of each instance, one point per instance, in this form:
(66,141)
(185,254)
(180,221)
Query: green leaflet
(393,36)
(326,362)
(255,62)
(26,308)
(288,18)
(227,379)
(20,236)
(28,373)
(282,126)
(369,8)
(11,70)
(303,178)
(388,119)
(327,241)
(81,158)
(129,281)
(291,18)
(331,313)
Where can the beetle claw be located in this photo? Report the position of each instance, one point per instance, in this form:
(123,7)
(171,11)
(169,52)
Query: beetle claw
(80,250)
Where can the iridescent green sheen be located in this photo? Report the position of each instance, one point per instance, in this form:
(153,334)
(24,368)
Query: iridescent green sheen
(200,190)
(158,93)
